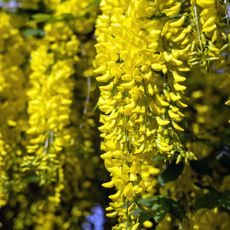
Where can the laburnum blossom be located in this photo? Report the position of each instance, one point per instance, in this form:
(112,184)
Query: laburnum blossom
(146,52)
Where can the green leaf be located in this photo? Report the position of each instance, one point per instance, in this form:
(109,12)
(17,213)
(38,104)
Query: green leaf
(171,173)
(158,158)
(166,205)
(159,215)
(144,216)
(160,209)
(66,17)
(42,17)
(176,210)
(148,201)
(32,179)
(201,167)
(214,199)
(209,200)
(224,200)
(97,2)
(33,32)
(159,206)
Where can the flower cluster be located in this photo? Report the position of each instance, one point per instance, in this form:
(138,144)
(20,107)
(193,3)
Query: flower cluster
(150,55)
(47,133)
(13,99)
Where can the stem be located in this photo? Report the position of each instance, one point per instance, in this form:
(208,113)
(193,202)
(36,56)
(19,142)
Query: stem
(87,96)
(197,27)
(87,100)
(227,15)
(141,206)
(49,141)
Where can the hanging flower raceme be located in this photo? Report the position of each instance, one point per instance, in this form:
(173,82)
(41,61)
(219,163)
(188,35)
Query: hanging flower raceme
(13,102)
(50,98)
(141,63)
(205,20)
(61,122)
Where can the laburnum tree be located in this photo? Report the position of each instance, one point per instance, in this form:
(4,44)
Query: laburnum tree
(118,103)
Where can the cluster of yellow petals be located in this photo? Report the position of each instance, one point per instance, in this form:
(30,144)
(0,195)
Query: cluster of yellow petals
(13,100)
(50,98)
(145,53)
(141,69)
(205,47)
(47,123)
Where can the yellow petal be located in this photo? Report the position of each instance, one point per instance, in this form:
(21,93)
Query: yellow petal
(162,122)
(104,78)
(161,101)
(128,190)
(205,3)
(115,196)
(148,224)
(177,77)
(209,29)
(155,108)
(179,22)
(177,127)
(173,115)
(164,148)
(180,103)
(173,10)
(111,214)
(109,184)
(179,87)
(157,67)
(174,97)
